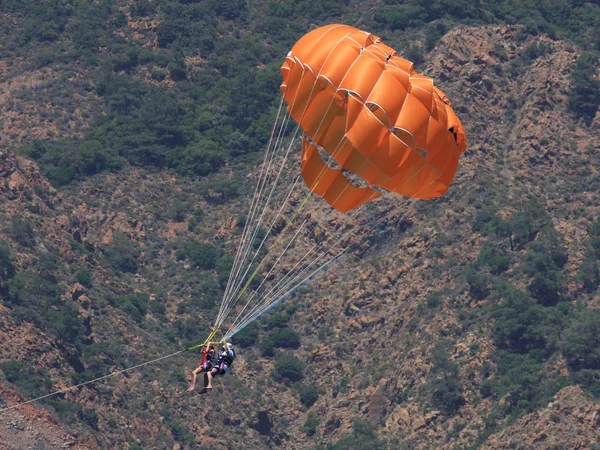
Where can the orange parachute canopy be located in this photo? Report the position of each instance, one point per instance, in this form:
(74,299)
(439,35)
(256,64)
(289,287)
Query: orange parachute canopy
(373,114)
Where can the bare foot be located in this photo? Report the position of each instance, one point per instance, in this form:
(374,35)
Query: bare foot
(191,388)
(208,387)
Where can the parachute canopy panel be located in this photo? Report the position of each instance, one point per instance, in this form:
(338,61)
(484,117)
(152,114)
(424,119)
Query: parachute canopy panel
(379,119)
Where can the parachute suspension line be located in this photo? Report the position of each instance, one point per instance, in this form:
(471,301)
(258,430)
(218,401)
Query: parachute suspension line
(233,298)
(271,270)
(254,201)
(231,282)
(230,298)
(248,236)
(289,279)
(237,280)
(95,380)
(280,298)
(235,289)
(232,302)
(310,265)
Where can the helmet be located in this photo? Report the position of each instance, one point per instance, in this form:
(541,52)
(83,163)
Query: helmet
(229,346)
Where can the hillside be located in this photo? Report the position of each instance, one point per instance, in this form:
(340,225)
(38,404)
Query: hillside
(466,322)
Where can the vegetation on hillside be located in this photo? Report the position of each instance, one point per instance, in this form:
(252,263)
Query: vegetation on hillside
(221,108)
(197,92)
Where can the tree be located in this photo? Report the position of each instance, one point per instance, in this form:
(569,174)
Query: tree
(585,91)
(7,270)
(519,321)
(309,394)
(288,366)
(248,336)
(202,254)
(445,385)
(122,254)
(22,231)
(581,345)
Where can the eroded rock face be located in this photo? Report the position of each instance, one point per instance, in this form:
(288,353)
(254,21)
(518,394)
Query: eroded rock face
(572,416)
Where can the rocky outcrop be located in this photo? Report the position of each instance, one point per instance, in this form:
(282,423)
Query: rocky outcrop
(571,417)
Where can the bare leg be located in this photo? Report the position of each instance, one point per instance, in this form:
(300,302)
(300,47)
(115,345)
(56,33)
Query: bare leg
(209,377)
(194,377)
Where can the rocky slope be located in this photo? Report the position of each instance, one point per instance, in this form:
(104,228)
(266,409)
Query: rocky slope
(367,327)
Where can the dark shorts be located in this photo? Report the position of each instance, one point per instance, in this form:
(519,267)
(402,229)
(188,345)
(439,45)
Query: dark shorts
(206,366)
(222,368)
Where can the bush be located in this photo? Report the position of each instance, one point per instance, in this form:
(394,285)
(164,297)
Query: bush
(310,425)
(177,211)
(523,382)
(581,345)
(497,260)
(7,270)
(248,336)
(287,366)
(22,231)
(89,417)
(31,381)
(520,323)
(478,284)
(363,437)
(284,338)
(134,306)
(445,385)
(308,394)
(157,308)
(585,91)
(122,254)
(528,221)
(589,272)
(267,347)
(276,320)
(202,254)
(223,267)
(84,277)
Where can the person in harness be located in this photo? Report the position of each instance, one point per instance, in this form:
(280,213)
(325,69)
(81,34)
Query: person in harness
(222,365)
(205,365)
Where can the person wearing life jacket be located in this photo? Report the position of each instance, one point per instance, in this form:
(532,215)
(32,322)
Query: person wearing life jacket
(205,365)
(224,361)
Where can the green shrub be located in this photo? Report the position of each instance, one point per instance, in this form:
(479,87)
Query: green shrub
(520,324)
(444,385)
(89,417)
(581,345)
(585,86)
(134,306)
(310,425)
(589,272)
(248,336)
(288,366)
(267,347)
(7,270)
(31,381)
(157,308)
(362,437)
(497,260)
(177,211)
(309,394)
(122,254)
(202,254)
(284,338)
(84,277)
(478,284)
(22,231)
(276,320)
